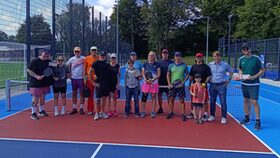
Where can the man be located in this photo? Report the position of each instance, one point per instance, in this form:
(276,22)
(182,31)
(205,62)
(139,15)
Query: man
(102,84)
(177,71)
(250,70)
(89,60)
(218,85)
(39,83)
(150,84)
(164,64)
(76,66)
(203,69)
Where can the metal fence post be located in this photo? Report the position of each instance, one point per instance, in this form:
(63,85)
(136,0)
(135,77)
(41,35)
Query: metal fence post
(8,94)
(278,75)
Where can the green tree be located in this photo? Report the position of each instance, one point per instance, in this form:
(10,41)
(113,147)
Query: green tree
(258,19)
(40,31)
(3,36)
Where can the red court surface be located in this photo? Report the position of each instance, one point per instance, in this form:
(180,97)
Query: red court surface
(146,131)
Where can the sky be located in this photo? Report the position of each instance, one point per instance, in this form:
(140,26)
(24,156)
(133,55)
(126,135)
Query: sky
(104,6)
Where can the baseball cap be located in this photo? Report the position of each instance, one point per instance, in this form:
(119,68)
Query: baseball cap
(93,48)
(199,55)
(113,55)
(101,53)
(46,51)
(245,45)
(133,53)
(164,50)
(197,75)
(77,49)
(177,53)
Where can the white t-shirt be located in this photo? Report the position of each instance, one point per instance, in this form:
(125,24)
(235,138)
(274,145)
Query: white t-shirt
(77,67)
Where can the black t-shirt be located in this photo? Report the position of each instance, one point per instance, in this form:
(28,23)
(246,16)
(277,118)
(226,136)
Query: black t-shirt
(203,69)
(164,64)
(114,70)
(102,72)
(38,66)
(61,73)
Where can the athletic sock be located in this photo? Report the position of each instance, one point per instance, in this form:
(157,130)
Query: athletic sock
(41,108)
(75,106)
(81,106)
(33,109)
(56,108)
(247,117)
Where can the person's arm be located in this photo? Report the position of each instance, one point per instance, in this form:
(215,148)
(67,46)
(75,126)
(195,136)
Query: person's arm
(187,75)
(204,95)
(119,76)
(158,75)
(230,71)
(125,78)
(85,74)
(33,74)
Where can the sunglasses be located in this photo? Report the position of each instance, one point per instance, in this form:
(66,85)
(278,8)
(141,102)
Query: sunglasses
(164,52)
(60,60)
(93,50)
(77,51)
(113,58)
(246,48)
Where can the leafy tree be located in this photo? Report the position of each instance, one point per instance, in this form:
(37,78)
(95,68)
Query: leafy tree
(3,36)
(40,31)
(258,19)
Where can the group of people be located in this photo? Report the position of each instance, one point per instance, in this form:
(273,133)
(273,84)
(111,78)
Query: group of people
(154,77)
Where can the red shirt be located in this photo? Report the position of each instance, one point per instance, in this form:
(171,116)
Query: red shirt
(199,92)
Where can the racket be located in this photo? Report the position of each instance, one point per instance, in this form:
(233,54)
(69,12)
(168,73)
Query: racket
(48,72)
(177,83)
(148,75)
(61,74)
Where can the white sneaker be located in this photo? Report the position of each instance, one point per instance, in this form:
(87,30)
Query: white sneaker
(96,116)
(62,112)
(211,118)
(104,115)
(56,113)
(223,120)
(90,113)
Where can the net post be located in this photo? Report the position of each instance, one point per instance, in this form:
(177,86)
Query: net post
(8,95)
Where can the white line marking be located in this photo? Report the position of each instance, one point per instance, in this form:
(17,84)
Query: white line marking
(253,134)
(96,151)
(269,90)
(136,145)
(269,100)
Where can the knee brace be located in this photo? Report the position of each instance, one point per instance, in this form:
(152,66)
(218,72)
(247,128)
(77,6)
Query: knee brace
(144,97)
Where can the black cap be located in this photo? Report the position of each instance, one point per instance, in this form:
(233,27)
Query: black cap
(197,75)
(47,51)
(101,53)
(245,45)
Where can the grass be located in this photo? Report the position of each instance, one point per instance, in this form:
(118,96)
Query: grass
(11,70)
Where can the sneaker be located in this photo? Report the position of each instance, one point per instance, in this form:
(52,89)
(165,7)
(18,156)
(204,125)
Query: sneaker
(96,117)
(125,115)
(160,111)
(200,121)
(184,117)
(204,117)
(190,116)
(82,111)
(196,121)
(137,115)
(211,118)
(43,113)
(34,116)
(257,126)
(244,121)
(115,113)
(223,120)
(62,112)
(153,115)
(104,116)
(110,114)
(56,113)
(143,114)
(90,113)
(74,111)
(170,115)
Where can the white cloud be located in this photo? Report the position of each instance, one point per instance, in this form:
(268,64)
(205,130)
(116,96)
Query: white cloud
(104,6)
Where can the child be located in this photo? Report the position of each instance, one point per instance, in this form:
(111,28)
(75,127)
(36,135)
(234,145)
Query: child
(61,73)
(197,91)
(132,78)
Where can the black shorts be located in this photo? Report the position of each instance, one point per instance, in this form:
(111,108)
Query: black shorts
(197,105)
(59,89)
(112,88)
(102,92)
(162,90)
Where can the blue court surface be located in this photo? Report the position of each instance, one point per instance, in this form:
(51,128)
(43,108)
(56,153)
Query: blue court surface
(56,149)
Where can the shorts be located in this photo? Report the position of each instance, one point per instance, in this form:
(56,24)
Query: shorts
(180,92)
(102,92)
(59,89)
(37,91)
(197,105)
(162,90)
(150,88)
(250,92)
(112,88)
(77,84)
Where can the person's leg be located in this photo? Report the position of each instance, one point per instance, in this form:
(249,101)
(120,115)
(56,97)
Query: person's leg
(144,100)
(223,99)
(56,112)
(82,99)
(63,97)
(114,104)
(35,101)
(213,98)
(183,109)
(109,100)
(42,111)
(153,113)
(128,100)
(136,101)
(206,107)
(246,106)
(74,96)
(90,106)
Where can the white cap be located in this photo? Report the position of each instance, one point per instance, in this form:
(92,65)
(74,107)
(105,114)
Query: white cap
(113,55)
(93,47)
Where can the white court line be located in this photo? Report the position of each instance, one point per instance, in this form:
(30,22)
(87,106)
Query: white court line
(137,145)
(25,109)
(275,153)
(96,151)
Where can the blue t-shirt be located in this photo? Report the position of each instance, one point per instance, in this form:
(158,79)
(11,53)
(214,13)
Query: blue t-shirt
(151,67)
(164,64)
